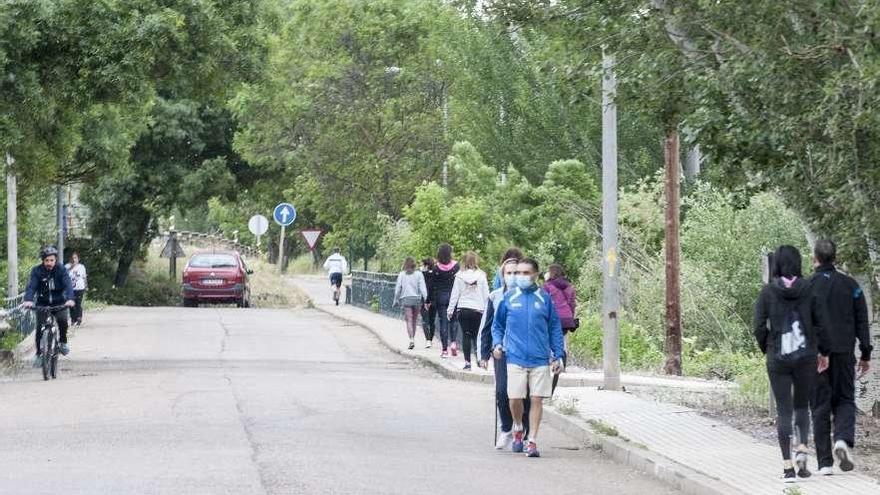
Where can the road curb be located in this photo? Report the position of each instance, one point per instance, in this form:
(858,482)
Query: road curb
(678,476)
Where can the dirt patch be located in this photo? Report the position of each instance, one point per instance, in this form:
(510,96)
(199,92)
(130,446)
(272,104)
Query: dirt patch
(761,426)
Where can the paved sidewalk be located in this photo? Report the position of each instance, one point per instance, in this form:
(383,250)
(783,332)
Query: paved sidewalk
(697,454)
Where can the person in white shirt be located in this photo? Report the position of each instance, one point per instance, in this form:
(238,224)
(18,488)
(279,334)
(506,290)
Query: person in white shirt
(336,266)
(470,293)
(78,278)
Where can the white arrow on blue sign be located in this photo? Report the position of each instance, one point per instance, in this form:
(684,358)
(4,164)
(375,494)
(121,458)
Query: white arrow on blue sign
(284,214)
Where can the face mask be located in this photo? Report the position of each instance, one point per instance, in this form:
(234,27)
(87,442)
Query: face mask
(547,276)
(509,280)
(524,281)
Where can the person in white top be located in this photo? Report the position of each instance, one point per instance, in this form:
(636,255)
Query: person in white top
(410,292)
(336,266)
(470,293)
(78,278)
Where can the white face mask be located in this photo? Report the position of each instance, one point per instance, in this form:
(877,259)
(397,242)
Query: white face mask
(524,281)
(509,280)
(547,276)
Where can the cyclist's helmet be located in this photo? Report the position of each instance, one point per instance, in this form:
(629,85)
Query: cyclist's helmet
(48,251)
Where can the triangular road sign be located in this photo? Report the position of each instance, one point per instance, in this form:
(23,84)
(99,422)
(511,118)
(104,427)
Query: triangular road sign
(311,236)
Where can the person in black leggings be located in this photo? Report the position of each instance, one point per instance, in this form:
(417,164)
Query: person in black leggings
(789,330)
(444,277)
(429,310)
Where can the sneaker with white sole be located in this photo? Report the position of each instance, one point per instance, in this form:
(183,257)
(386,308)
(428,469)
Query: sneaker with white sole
(532,450)
(505,440)
(800,460)
(843,455)
(826,471)
(788,476)
(428,345)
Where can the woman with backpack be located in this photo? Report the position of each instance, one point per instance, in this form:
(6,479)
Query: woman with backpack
(470,293)
(411,293)
(444,278)
(788,329)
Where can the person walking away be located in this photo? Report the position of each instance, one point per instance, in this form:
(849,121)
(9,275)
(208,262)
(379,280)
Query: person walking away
(565,301)
(788,327)
(336,266)
(444,279)
(502,403)
(78,279)
(429,310)
(512,253)
(528,332)
(49,286)
(470,293)
(846,314)
(410,292)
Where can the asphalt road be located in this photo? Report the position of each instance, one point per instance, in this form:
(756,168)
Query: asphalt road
(232,401)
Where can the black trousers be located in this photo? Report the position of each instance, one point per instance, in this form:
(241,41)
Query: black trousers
(61,317)
(76,312)
(835,396)
(502,402)
(429,321)
(470,328)
(792,385)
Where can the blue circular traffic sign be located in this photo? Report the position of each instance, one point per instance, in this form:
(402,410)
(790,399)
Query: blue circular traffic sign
(284,214)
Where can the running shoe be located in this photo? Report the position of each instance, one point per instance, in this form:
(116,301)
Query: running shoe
(505,440)
(454,349)
(444,354)
(800,460)
(826,471)
(788,476)
(532,450)
(467,366)
(517,445)
(428,344)
(412,345)
(843,455)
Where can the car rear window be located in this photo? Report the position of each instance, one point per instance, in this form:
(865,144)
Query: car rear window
(213,261)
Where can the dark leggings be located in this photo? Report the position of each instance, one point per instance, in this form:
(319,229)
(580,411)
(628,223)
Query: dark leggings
(76,312)
(61,317)
(429,321)
(447,327)
(800,376)
(470,328)
(502,402)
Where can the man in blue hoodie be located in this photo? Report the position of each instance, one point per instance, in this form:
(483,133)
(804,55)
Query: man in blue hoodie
(49,286)
(527,331)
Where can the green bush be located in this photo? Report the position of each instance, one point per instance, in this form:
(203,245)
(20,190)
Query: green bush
(638,350)
(145,289)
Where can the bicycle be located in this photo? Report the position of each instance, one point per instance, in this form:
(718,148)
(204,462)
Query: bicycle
(49,341)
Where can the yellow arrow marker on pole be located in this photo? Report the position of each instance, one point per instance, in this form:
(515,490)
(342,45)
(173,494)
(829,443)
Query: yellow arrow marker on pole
(612,261)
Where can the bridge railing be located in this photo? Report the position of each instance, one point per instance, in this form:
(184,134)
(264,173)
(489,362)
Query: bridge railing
(375,291)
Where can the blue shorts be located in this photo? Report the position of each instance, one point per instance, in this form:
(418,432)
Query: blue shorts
(336,279)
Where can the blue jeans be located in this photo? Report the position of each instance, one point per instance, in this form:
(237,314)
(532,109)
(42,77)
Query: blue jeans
(503,403)
(447,327)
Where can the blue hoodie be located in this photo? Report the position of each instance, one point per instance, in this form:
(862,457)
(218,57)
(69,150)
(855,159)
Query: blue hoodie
(527,328)
(49,288)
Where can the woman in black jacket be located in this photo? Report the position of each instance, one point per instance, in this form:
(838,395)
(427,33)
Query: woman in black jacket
(788,330)
(429,310)
(444,276)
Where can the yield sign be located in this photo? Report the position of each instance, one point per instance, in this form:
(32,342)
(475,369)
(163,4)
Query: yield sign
(311,236)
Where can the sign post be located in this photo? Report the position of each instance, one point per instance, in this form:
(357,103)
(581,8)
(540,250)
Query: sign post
(172,251)
(258,225)
(284,215)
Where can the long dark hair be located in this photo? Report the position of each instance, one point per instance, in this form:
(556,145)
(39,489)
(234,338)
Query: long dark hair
(444,253)
(787,262)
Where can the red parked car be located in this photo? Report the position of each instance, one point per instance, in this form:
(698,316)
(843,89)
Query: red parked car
(216,277)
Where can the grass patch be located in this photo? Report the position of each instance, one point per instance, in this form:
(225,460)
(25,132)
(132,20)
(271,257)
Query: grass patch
(10,339)
(566,406)
(304,264)
(603,428)
(792,490)
(270,290)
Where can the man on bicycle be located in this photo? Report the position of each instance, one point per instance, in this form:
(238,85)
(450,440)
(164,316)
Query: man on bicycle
(336,266)
(49,286)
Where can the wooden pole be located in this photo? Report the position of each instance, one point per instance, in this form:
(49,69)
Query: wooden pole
(673,256)
(11,228)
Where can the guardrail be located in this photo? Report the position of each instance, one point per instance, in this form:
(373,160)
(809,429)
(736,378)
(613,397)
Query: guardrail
(19,318)
(212,239)
(374,291)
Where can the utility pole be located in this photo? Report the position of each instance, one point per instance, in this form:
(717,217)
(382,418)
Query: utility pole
(445,138)
(610,252)
(59,210)
(11,228)
(673,255)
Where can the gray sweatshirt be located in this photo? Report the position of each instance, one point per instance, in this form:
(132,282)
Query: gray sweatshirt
(410,289)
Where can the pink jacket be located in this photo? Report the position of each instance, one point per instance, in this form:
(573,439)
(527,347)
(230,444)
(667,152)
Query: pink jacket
(564,299)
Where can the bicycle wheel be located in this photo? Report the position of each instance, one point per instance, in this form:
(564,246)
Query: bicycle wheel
(48,349)
(53,364)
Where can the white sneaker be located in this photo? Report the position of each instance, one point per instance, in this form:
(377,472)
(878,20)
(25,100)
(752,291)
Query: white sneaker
(826,471)
(505,440)
(843,455)
(428,344)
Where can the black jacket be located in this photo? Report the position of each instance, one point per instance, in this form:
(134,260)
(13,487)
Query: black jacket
(443,281)
(486,331)
(774,305)
(845,310)
(49,288)
(429,275)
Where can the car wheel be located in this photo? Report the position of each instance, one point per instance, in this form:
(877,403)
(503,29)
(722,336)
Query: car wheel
(190,303)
